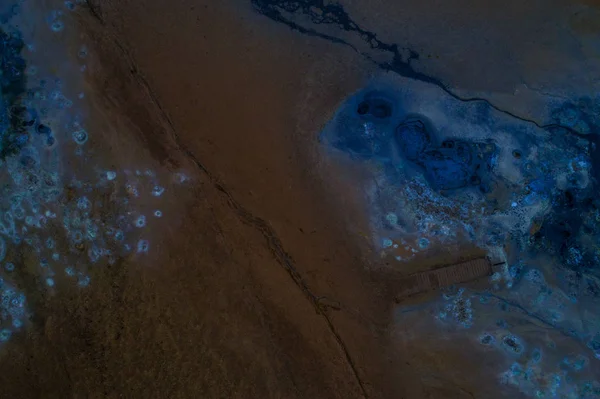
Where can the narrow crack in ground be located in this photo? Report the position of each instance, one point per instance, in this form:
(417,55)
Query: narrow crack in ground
(326,13)
(274,243)
(281,11)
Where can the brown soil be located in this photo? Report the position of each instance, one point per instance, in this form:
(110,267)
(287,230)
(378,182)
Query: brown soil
(261,285)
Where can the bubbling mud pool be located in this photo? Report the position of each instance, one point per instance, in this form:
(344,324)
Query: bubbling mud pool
(443,173)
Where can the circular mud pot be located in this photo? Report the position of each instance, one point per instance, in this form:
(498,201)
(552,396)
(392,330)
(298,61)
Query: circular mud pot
(413,139)
(375,106)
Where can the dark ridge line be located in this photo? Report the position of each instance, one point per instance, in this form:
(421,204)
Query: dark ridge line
(527,312)
(274,243)
(398,65)
(95,11)
(521,308)
(561,330)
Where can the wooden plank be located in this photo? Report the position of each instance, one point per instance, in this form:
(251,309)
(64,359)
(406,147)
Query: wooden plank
(445,276)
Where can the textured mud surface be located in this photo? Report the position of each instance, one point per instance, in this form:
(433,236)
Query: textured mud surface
(231,199)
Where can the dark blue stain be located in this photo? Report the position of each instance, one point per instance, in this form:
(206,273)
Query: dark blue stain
(487,339)
(375,106)
(16,120)
(43,129)
(512,344)
(413,138)
(594,345)
(363,143)
(6,14)
(591,288)
(502,324)
(569,233)
(13,117)
(50,141)
(454,164)
(320,12)
(536,355)
(542,185)
(444,169)
(582,115)
(364,135)
(516,272)
(575,216)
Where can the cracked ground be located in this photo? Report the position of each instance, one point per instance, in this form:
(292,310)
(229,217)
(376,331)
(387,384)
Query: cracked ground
(262,280)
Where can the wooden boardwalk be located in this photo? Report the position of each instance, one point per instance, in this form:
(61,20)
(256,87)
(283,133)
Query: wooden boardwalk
(443,277)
